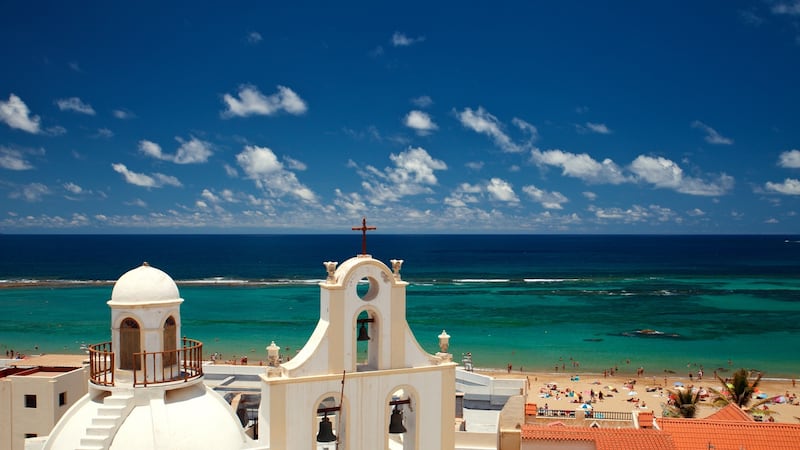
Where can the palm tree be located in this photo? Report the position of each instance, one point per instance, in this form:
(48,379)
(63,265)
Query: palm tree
(683,403)
(738,390)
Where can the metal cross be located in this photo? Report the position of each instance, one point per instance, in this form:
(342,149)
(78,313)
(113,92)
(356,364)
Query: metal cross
(363,229)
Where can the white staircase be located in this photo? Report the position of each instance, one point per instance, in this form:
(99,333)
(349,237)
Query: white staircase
(110,415)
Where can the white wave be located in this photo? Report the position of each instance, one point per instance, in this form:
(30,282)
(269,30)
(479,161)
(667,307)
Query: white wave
(549,280)
(482,280)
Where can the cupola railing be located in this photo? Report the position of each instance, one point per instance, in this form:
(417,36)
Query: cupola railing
(183,364)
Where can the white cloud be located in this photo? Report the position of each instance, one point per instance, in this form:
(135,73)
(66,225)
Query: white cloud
(12,159)
(252,102)
(501,190)
(599,128)
(420,121)
(401,40)
(104,133)
(32,192)
(413,173)
(231,171)
(73,188)
(712,136)
(526,127)
(261,164)
(423,101)
(190,152)
(75,66)
(56,130)
(790,186)
(465,194)
(482,122)
(790,159)
(635,214)
(589,195)
(548,200)
(581,166)
(155,180)
(75,104)
(15,113)
(474,165)
(772,220)
(665,173)
(123,114)
(696,212)
(254,37)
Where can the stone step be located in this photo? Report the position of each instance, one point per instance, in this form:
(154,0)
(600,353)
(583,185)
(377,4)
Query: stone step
(95,441)
(100,429)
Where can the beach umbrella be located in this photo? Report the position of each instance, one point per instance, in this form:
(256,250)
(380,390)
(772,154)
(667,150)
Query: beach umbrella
(632,393)
(762,395)
(586,406)
(678,383)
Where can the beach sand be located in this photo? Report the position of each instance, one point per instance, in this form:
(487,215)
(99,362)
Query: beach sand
(649,390)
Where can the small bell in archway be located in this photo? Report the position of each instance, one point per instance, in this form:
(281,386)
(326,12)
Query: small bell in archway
(326,430)
(396,422)
(362,332)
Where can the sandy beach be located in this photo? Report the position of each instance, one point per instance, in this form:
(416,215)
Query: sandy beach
(622,389)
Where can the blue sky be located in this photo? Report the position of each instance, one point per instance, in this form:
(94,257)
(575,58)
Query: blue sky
(425,117)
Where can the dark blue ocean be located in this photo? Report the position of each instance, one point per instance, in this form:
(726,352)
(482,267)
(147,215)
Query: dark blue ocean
(719,302)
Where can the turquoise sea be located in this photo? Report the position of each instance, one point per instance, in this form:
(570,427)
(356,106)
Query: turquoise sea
(536,302)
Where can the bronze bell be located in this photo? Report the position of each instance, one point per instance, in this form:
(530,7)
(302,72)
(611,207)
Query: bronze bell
(396,422)
(326,430)
(362,332)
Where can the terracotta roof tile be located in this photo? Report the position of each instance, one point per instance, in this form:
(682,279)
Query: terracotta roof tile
(603,438)
(731,413)
(692,434)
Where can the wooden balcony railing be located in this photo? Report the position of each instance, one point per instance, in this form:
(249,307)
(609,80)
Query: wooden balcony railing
(183,364)
(101,364)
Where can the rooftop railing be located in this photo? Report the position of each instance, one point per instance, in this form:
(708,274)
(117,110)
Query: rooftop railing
(183,364)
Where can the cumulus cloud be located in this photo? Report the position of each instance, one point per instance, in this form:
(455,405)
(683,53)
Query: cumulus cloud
(420,122)
(155,180)
(481,121)
(413,172)
(15,113)
(581,166)
(261,165)
(548,200)
(790,186)
(712,136)
(401,40)
(103,133)
(192,151)
(75,104)
(790,159)
(589,195)
(665,173)
(251,101)
(464,194)
(501,190)
(12,159)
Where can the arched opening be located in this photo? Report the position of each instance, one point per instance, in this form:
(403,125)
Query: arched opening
(330,422)
(170,342)
(367,334)
(129,343)
(402,420)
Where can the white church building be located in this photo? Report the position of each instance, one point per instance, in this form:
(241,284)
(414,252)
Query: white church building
(362,381)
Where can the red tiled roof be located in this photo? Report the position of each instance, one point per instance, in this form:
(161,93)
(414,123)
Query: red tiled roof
(693,434)
(731,413)
(603,438)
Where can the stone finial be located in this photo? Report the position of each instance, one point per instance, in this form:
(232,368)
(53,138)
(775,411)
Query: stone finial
(330,266)
(273,354)
(396,265)
(444,341)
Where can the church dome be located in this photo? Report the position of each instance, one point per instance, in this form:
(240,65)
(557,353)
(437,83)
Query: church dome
(187,418)
(144,284)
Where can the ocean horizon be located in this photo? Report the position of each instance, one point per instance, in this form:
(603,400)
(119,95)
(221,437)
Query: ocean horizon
(667,303)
